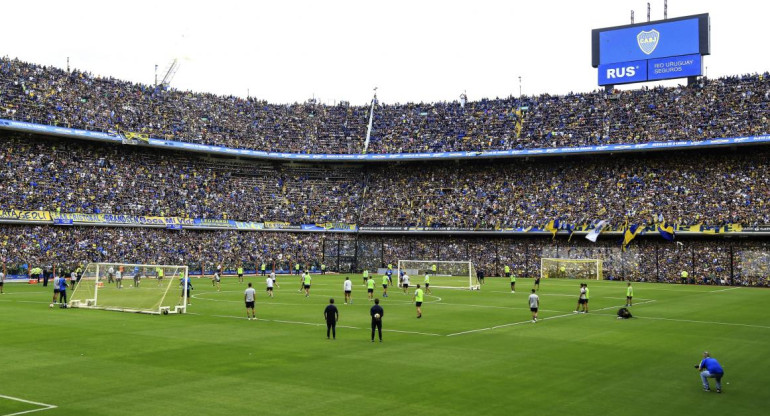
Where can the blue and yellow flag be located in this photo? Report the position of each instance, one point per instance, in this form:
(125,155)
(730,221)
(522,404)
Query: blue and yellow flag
(130,135)
(666,231)
(552,227)
(630,233)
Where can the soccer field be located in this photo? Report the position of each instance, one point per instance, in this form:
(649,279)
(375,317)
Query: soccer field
(472,353)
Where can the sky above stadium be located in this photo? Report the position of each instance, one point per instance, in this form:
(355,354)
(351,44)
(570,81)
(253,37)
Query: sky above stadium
(333,50)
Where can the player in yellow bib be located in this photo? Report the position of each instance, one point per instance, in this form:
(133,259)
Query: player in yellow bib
(418,297)
(306,283)
(385,282)
(240,274)
(513,282)
(427,283)
(366,276)
(629,295)
(370,287)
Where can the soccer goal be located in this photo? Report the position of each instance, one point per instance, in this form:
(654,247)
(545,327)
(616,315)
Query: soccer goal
(448,274)
(144,288)
(585,269)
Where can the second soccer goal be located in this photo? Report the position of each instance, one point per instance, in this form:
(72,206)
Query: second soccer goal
(585,269)
(443,274)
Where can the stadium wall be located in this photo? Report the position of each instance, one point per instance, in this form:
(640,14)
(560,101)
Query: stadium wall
(112,137)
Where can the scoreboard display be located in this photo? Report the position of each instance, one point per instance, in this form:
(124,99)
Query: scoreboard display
(651,51)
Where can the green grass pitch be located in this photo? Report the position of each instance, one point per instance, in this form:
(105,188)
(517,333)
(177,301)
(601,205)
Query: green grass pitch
(472,353)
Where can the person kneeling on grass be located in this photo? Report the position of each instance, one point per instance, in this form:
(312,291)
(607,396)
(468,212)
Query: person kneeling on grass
(710,368)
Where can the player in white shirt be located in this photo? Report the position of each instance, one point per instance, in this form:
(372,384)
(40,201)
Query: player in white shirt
(2,281)
(119,279)
(272,276)
(269,288)
(534,304)
(249,296)
(110,274)
(217,281)
(347,286)
(405,283)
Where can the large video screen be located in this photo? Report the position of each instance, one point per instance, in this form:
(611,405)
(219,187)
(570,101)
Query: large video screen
(651,51)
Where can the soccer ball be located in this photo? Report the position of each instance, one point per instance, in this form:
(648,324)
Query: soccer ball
(50,306)
(376,316)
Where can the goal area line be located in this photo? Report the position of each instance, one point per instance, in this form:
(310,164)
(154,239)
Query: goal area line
(43,406)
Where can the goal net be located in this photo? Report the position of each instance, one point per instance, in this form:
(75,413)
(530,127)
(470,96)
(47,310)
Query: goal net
(585,269)
(145,288)
(447,274)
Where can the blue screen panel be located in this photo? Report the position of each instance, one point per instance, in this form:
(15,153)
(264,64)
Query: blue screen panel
(623,73)
(675,67)
(655,40)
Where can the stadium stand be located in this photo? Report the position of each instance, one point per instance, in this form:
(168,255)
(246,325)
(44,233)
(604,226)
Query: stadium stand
(724,107)
(707,187)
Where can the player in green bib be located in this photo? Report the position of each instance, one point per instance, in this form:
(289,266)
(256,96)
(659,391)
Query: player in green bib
(366,275)
(629,295)
(240,274)
(513,282)
(427,283)
(306,283)
(370,288)
(385,286)
(418,297)
(507,270)
(262,268)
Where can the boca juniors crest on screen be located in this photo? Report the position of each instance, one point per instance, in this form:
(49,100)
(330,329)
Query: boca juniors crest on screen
(663,49)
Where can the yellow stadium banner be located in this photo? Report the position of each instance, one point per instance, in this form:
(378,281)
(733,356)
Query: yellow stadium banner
(19,215)
(276,224)
(337,226)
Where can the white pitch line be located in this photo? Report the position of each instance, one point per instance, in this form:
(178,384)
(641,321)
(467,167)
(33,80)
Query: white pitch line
(529,320)
(724,290)
(697,322)
(45,406)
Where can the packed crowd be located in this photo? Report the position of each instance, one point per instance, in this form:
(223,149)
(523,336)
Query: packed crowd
(64,176)
(653,260)
(703,188)
(725,107)
(67,247)
(709,189)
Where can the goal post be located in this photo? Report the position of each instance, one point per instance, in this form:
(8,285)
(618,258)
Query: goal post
(126,287)
(585,269)
(448,274)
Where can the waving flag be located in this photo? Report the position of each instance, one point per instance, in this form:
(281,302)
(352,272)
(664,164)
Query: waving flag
(630,233)
(594,234)
(666,231)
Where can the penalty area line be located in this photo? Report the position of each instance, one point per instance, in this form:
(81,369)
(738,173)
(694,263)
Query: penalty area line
(44,406)
(471,331)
